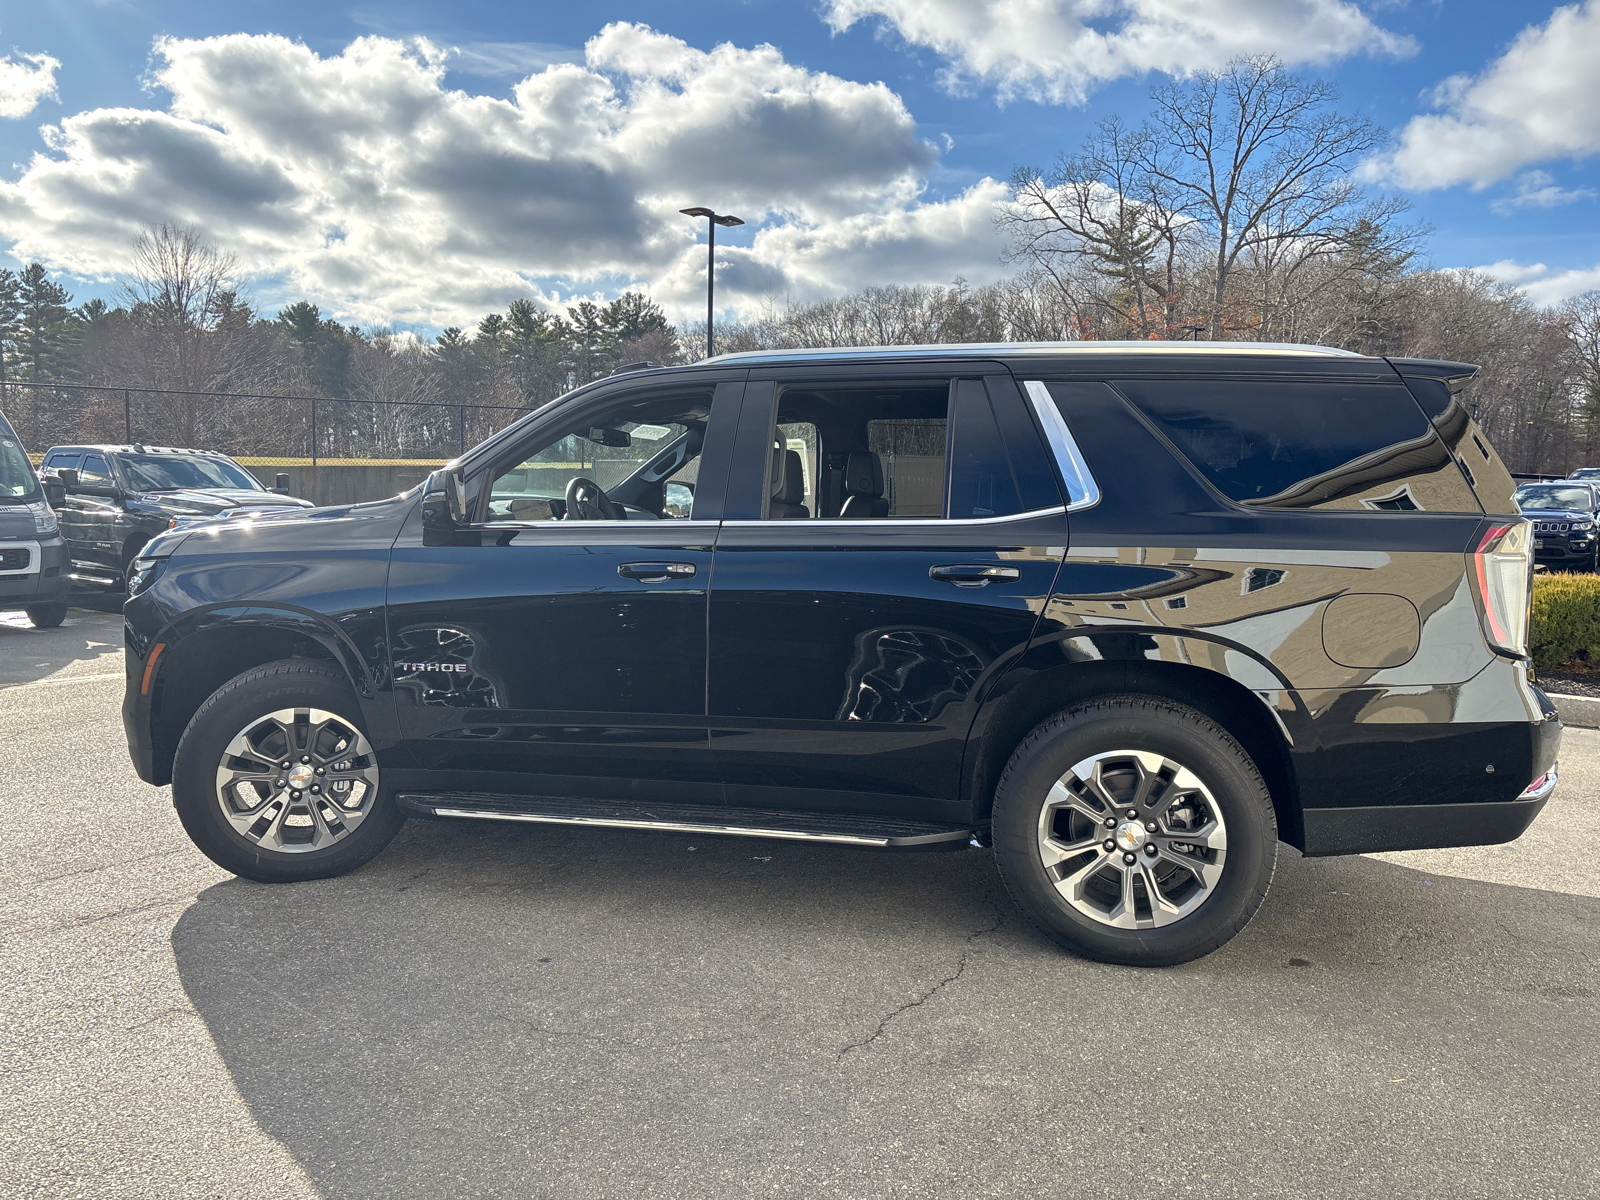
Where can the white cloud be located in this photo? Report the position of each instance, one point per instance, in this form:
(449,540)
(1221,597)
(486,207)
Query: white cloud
(22,85)
(1538,189)
(1060,50)
(1538,101)
(1542,285)
(361,181)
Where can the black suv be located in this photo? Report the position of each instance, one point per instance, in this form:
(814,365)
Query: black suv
(119,497)
(1564,518)
(1130,612)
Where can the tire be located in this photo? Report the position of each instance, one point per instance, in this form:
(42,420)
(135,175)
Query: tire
(294,834)
(46,616)
(1197,780)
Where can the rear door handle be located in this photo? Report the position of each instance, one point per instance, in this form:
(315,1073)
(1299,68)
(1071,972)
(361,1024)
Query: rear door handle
(974,576)
(655,572)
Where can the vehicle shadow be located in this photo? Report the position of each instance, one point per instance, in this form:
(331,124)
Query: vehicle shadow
(86,643)
(494,1012)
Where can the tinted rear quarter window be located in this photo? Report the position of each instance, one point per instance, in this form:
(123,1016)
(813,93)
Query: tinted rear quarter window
(1280,443)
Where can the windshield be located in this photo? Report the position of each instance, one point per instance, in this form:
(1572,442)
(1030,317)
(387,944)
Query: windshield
(166,472)
(16,473)
(1553,496)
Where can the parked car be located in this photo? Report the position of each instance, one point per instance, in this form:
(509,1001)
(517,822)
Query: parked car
(1132,613)
(33,558)
(119,497)
(1564,517)
(1585,473)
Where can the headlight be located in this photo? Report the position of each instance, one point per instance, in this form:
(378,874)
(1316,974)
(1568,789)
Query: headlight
(143,573)
(1582,526)
(44,518)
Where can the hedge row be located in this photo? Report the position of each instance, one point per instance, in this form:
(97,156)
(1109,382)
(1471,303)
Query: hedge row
(1566,620)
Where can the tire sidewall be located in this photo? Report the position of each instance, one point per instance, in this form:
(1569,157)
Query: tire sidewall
(194,777)
(46,616)
(1177,733)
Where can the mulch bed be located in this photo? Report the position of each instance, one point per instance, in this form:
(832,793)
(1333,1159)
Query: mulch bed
(1570,682)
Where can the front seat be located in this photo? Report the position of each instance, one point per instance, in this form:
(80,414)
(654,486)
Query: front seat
(863,486)
(788,486)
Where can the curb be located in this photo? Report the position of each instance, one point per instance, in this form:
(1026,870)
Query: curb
(1580,711)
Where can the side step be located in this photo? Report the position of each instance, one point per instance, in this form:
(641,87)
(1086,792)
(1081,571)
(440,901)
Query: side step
(846,829)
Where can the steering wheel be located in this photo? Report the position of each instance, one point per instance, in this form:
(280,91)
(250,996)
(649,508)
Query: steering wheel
(587,501)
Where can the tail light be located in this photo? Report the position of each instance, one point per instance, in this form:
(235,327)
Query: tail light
(1503,565)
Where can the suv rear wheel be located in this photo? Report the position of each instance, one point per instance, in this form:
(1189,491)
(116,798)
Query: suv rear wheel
(1133,829)
(275,779)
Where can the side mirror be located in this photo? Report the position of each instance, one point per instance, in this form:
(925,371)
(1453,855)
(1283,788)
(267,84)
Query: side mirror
(444,506)
(280,483)
(68,477)
(55,494)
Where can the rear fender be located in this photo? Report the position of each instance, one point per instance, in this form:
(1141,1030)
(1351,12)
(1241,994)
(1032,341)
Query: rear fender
(1231,684)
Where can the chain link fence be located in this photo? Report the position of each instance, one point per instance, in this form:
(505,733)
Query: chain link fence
(258,430)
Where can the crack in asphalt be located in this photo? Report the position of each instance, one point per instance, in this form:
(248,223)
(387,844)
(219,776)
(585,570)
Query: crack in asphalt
(961,966)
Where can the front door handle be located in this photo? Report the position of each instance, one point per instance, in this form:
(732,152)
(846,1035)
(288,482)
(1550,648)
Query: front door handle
(974,576)
(655,572)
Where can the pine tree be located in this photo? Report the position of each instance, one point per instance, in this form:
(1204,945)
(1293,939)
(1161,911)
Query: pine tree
(533,351)
(46,334)
(10,321)
(324,347)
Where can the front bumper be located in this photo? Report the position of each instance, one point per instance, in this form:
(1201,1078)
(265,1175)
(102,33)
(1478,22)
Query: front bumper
(45,585)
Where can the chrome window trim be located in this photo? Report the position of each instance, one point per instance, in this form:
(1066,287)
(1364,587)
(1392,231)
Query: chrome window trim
(664,523)
(1082,490)
(894,522)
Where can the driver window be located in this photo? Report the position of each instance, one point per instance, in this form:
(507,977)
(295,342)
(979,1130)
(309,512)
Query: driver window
(94,471)
(634,459)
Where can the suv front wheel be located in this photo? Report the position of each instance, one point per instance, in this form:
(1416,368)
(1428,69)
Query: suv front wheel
(276,781)
(1133,829)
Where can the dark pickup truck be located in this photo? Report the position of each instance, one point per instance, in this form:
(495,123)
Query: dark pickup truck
(119,497)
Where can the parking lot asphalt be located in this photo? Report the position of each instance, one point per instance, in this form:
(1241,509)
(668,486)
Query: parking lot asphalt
(487,1011)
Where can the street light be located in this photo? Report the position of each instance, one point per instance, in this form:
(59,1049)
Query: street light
(712,221)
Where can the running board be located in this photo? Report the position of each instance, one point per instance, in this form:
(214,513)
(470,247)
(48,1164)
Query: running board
(844,829)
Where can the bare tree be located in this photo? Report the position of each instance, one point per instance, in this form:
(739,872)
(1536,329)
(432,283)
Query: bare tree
(1256,155)
(1105,230)
(177,284)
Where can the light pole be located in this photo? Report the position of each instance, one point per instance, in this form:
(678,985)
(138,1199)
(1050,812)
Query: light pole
(712,221)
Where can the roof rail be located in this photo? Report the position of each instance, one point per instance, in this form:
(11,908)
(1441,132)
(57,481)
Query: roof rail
(1044,350)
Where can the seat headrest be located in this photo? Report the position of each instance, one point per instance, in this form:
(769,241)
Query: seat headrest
(788,477)
(863,474)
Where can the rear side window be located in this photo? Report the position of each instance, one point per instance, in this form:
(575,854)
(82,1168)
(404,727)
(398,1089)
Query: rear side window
(997,462)
(1290,444)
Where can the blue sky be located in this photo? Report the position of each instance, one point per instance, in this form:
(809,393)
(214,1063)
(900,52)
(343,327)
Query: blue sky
(370,177)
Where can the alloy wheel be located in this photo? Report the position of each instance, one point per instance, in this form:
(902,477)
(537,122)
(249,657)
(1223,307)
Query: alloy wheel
(297,780)
(1132,839)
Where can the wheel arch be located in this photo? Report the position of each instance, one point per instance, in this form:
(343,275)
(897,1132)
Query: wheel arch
(207,647)
(1056,674)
